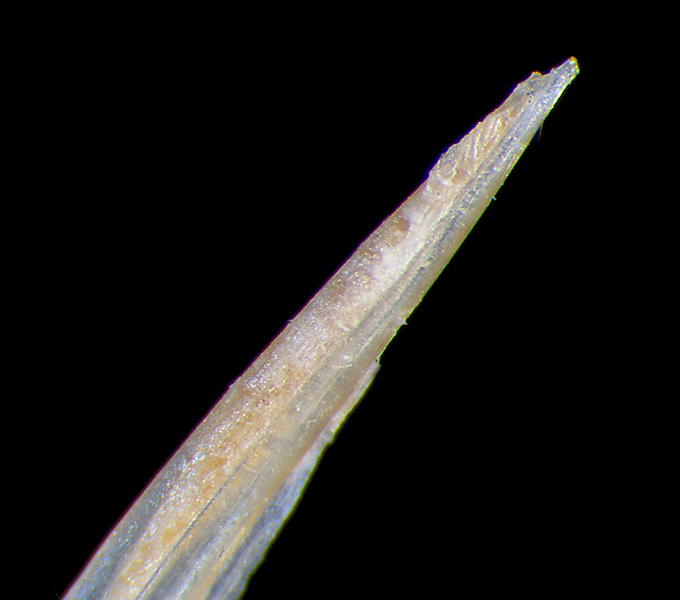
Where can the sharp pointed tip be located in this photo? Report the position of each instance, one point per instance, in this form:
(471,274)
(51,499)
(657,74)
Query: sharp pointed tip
(569,69)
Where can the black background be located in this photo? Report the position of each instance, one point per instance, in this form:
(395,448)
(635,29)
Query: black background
(199,182)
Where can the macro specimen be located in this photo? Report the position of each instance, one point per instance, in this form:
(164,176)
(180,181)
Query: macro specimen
(203,523)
